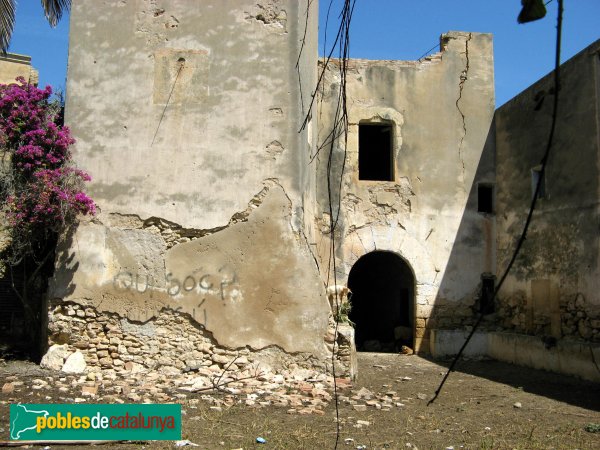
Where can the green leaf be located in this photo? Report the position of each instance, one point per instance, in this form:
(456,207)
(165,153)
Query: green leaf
(7,23)
(53,9)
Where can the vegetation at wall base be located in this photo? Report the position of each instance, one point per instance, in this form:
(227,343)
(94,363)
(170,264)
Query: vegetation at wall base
(42,193)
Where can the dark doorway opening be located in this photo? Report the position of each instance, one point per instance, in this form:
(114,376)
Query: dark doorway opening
(382,286)
(23,307)
(15,329)
(375,156)
(485,198)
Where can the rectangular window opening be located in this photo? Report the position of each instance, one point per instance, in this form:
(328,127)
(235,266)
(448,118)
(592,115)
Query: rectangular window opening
(536,177)
(375,155)
(485,198)
(486,298)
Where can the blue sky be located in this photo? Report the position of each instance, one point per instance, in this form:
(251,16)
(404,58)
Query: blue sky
(387,29)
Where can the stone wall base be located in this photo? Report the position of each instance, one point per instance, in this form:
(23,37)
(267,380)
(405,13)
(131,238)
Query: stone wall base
(581,359)
(171,344)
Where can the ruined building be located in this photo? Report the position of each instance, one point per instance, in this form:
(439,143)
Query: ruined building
(213,230)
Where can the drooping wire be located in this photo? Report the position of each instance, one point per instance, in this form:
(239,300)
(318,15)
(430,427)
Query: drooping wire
(339,130)
(327,60)
(428,51)
(181,62)
(533,201)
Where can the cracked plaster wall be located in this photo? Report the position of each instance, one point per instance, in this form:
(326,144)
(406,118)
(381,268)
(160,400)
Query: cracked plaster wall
(441,109)
(235,95)
(187,115)
(553,287)
(244,295)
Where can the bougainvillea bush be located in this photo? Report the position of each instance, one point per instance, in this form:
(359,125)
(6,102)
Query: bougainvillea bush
(41,191)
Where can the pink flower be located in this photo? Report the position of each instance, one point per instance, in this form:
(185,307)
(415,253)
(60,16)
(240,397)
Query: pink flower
(48,192)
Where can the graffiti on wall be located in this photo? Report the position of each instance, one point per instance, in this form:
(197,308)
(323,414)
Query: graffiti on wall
(222,285)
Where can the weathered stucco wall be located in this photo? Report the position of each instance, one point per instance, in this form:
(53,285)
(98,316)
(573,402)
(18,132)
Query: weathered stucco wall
(214,215)
(553,289)
(13,65)
(186,114)
(441,111)
(568,357)
(204,82)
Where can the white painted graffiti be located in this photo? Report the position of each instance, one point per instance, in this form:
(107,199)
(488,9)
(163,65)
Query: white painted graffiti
(224,284)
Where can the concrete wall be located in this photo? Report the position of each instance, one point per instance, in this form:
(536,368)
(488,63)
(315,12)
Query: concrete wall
(554,286)
(186,115)
(570,358)
(441,111)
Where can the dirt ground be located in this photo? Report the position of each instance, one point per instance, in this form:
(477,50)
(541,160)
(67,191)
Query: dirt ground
(484,405)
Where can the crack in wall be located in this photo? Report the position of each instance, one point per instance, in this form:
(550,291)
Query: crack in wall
(309,247)
(174,233)
(182,234)
(464,75)
(299,234)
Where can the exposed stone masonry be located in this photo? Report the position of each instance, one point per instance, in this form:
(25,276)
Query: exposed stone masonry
(173,233)
(579,320)
(172,344)
(168,358)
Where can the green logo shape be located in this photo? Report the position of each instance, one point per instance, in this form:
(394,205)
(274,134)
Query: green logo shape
(91,422)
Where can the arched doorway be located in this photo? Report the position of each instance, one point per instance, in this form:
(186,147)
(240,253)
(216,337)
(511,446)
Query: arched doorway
(383,287)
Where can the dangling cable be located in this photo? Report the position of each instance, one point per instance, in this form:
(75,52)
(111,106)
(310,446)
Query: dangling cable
(533,201)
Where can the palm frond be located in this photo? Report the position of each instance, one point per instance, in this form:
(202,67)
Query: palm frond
(7,23)
(53,9)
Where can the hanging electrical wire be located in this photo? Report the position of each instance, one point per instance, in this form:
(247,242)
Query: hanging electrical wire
(339,136)
(523,235)
(336,138)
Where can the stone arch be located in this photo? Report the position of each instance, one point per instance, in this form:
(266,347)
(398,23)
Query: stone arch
(383,290)
(403,243)
(396,240)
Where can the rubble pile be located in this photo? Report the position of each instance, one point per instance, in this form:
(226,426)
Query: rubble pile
(172,358)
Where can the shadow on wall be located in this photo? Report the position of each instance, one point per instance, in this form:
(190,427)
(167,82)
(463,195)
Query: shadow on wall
(64,260)
(381,281)
(464,288)
(22,334)
(540,317)
(391,307)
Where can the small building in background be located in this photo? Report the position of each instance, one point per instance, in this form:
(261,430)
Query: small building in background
(13,65)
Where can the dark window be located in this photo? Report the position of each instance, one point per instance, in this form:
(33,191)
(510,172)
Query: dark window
(485,198)
(536,177)
(375,157)
(486,299)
